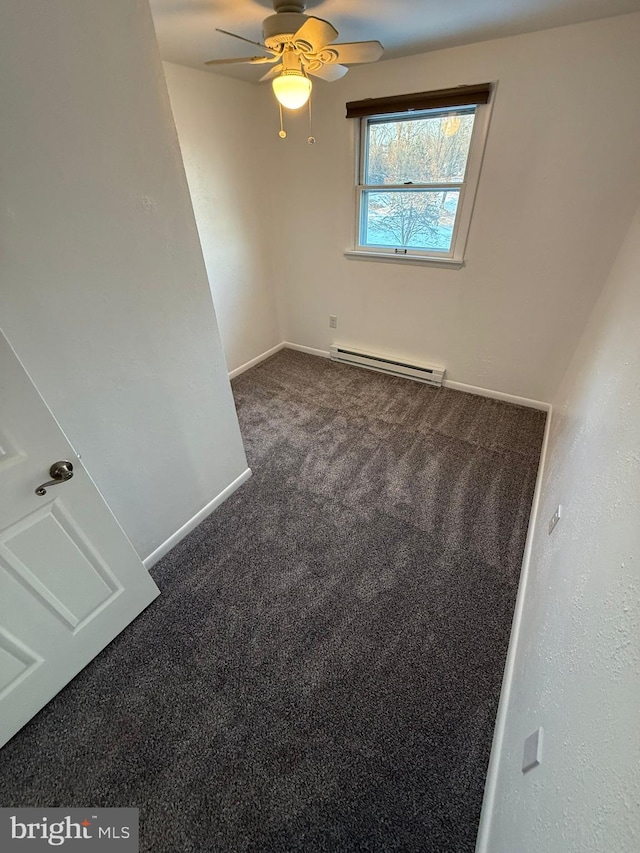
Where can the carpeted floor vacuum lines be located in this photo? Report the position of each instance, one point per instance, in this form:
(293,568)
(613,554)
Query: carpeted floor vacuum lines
(322,670)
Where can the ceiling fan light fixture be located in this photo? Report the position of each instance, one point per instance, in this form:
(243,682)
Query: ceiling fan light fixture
(292,89)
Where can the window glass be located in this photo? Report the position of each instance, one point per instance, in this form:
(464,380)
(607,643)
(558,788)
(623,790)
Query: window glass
(426,150)
(416,219)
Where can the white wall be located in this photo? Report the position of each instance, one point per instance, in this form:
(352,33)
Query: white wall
(561,179)
(576,658)
(228,176)
(104,292)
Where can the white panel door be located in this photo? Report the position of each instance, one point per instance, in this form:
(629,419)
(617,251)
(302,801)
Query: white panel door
(70,580)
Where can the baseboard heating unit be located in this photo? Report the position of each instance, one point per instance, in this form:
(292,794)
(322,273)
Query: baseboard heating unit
(385,364)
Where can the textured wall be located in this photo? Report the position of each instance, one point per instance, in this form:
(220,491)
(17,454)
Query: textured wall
(104,292)
(577,662)
(560,181)
(222,148)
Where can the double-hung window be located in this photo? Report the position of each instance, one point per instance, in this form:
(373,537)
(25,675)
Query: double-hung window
(418,172)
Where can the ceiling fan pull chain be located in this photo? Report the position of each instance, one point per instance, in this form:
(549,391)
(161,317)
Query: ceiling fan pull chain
(282,133)
(311,140)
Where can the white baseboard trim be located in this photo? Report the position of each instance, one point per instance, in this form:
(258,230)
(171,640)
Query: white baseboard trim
(321,352)
(282,345)
(497,395)
(448,383)
(238,370)
(163,549)
(488,803)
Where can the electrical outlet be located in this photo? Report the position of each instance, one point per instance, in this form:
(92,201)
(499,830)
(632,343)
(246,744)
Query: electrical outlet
(333,321)
(555,518)
(532,754)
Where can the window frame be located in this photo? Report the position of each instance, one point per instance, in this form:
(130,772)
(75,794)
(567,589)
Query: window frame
(467,188)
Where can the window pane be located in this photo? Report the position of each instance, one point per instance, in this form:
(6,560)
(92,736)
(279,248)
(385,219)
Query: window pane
(424,151)
(409,219)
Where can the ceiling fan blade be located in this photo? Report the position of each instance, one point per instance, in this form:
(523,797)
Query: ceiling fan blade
(242,38)
(315,33)
(329,72)
(357,51)
(272,72)
(253,60)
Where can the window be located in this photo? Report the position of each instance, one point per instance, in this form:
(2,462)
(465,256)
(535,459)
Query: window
(417,174)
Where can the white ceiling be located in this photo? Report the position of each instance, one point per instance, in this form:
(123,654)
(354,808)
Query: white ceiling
(187,35)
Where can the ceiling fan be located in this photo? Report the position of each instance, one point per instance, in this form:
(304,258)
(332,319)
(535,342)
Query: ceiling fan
(301,45)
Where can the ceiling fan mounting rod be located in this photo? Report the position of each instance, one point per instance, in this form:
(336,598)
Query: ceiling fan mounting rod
(288,6)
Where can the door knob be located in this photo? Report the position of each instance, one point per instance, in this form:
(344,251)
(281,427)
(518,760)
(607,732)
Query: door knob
(60,471)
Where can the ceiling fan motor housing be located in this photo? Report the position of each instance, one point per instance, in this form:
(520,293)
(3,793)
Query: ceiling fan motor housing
(279,29)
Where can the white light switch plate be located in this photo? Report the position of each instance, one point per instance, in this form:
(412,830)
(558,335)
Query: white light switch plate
(532,755)
(555,518)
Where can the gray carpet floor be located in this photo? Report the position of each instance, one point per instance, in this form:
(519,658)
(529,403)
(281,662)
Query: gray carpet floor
(322,670)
